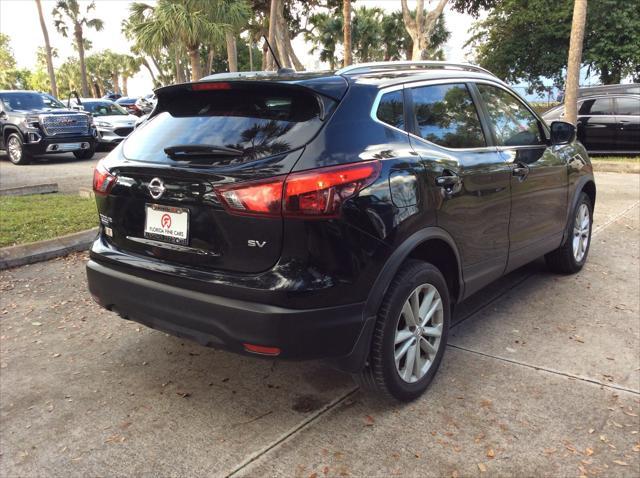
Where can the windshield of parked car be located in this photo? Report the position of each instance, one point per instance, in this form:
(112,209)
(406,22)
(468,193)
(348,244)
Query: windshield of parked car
(103,108)
(25,100)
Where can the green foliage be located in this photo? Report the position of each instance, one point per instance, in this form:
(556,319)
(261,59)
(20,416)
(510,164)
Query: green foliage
(527,40)
(375,36)
(39,217)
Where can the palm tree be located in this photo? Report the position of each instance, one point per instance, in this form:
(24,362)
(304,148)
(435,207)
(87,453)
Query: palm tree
(130,66)
(575,58)
(47,46)
(180,25)
(346,14)
(69,11)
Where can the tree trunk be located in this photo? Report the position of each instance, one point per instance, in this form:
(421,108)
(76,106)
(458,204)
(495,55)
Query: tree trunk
(47,47)
(194,57)
(96,89)
(273,27)
(83,67)
(148,67)
(178,67)
(287,50)
(250,54)
(421,28)
(346,31)
(574,61)
(125,89)
(232,51)
(114,80)
(210,56)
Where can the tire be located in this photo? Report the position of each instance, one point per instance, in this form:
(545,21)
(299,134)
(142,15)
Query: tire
(568,259)
(15,150)
(85,153)
(382,375)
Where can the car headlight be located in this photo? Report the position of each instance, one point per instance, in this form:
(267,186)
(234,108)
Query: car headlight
(103,124)
(32,121)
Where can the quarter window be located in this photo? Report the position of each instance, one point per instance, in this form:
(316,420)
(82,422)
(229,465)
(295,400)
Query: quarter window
(391,109)
(445,115)
(513,123)
(628,106)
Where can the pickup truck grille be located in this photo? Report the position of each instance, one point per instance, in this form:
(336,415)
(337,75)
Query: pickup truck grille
(65,124)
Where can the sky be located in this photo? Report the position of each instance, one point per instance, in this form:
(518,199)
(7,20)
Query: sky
(19,20)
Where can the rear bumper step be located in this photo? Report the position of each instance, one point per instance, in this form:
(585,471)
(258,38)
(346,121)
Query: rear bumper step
(226,323)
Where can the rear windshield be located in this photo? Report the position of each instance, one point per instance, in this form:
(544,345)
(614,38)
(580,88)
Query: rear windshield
(256,121)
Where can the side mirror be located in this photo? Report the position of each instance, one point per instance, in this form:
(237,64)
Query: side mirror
(562,132)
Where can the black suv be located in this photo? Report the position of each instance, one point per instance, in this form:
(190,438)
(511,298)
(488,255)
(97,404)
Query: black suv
(335,216)
(33,123)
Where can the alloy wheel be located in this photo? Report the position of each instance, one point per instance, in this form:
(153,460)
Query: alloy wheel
(418,333)
(15,149)
(581,232)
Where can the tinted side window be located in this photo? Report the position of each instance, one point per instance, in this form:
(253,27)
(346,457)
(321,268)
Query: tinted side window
(600,106)
(446,115)
(391,109)
(513,123)
(628,106)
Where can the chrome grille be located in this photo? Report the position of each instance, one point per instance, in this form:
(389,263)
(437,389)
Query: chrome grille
(65,124)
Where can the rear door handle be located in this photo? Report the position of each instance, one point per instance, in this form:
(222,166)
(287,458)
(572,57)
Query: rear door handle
(521,171)
(448,181)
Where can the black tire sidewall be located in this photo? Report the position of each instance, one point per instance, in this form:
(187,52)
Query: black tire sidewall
(85,153)
(421,275)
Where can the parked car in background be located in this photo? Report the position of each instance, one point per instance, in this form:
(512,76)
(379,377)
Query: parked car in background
(111,120)
(129,104)
(335,216)
(112,96)
(146,103)
(607,122)
(34,123)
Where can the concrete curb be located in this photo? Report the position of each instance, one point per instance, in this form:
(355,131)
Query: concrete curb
(616,166)
(20,255)
(47,188)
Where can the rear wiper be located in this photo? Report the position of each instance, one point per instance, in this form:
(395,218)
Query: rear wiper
(186,152)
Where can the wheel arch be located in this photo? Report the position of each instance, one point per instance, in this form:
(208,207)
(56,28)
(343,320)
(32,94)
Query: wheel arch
(8,129)
(587,185)
(431,244)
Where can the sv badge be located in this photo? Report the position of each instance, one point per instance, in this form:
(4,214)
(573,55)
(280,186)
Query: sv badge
(252,243)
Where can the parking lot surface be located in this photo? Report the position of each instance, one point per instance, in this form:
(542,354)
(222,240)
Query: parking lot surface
(541,378)
(70,173)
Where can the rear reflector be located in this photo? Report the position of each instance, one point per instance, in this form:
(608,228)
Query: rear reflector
(260,349)
(103,180)
(210,86)
(317,193)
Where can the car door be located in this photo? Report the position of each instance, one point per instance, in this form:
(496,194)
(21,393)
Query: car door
(627,113)
(468,175)
(597,127)
(539,177)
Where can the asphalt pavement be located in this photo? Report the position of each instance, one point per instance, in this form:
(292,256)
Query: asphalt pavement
(541,378)
(70,173)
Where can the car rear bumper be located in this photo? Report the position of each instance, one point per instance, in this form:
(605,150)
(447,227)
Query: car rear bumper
(227,323)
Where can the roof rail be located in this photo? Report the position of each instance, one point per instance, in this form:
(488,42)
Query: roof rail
(395,65)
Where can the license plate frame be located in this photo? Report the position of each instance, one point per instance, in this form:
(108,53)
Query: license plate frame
(167,234)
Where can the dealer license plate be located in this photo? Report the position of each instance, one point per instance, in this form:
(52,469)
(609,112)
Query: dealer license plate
(167,223)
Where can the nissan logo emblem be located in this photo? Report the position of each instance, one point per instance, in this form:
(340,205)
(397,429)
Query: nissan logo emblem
(156,188)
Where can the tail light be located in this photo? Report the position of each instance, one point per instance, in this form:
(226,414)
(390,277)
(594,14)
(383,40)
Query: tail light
(103,180)
(318,193)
